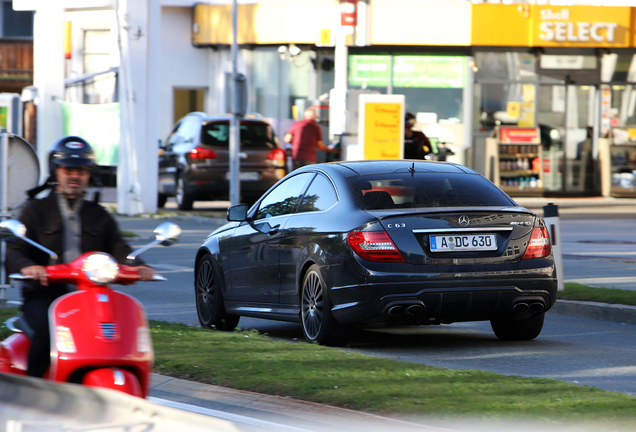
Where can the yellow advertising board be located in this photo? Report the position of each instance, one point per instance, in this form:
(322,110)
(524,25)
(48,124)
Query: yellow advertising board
(551,25)
(381,126)
(581,26)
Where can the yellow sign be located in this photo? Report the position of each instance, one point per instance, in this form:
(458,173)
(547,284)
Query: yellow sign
(383,130)
(551,25)
(632,134)
(529,92)
(325,37)
(513,109)
(581,26)
(526,114)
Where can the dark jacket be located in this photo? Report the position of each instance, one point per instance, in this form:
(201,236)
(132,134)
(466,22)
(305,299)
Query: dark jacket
(417,146)
(44,225)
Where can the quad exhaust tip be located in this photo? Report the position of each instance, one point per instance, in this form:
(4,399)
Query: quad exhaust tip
(535,307)
(413,309)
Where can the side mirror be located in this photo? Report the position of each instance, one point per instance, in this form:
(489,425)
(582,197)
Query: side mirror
(237,213)
(167,233)
(12,228)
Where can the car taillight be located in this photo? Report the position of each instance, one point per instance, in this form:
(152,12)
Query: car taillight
(539,244)
(202,153)
(374,246)
(278,157)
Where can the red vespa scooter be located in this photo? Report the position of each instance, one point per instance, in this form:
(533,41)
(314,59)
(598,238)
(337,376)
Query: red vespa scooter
(99,336)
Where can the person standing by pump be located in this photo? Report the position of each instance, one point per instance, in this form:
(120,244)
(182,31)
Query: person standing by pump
(416,144)
(305,137)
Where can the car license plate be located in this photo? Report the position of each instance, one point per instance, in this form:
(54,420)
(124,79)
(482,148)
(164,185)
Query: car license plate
(248,175)
(452,243)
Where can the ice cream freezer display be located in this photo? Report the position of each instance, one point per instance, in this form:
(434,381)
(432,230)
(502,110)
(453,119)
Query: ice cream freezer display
(519,162)
(617,157)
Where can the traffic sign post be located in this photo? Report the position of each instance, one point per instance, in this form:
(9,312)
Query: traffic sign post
(551,218)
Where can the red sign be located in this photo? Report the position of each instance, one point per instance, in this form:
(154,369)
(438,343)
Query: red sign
(514,135)
(348,12)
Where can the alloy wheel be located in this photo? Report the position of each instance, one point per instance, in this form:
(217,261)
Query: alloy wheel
(180,191)
(205,292)
(312,305)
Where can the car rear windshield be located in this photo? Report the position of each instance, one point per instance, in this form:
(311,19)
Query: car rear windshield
(253,135)
(421,190)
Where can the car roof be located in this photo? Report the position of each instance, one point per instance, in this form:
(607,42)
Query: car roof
(366,167)
(225,117)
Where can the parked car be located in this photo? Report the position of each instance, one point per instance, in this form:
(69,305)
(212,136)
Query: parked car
(194,162)
(397,242)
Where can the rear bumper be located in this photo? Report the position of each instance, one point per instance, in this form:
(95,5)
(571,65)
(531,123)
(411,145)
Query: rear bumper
(438,301)
(207,183)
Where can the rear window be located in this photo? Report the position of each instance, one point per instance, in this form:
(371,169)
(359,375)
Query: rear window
(403,190)
(253,135)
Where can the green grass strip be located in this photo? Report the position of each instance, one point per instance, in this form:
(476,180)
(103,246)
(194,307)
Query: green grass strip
(248,360)
(574,291)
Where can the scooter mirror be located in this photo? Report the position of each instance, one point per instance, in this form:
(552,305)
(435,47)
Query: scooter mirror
(12,228)
(164,235)
(167,232)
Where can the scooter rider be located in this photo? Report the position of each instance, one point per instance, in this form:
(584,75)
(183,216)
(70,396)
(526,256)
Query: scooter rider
(69,225)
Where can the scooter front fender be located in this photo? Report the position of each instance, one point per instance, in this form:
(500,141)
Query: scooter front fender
(114,378)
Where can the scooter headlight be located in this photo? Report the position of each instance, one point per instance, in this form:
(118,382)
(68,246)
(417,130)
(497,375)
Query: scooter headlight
(101,268)
(144,344)
(64,340)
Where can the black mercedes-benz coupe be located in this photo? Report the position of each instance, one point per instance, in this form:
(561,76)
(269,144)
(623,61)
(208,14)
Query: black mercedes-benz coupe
(344,244)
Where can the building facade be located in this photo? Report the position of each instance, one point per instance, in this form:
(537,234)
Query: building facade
(466,70)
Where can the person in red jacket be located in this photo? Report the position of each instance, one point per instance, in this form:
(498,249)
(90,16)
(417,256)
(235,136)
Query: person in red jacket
(305,137)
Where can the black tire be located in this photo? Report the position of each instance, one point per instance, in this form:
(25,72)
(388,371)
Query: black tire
(161,200)
(209,300)
(319,325)
(184,199)
(523,329)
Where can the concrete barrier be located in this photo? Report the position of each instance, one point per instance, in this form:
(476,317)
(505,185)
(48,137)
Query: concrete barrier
(33,405)
(596,311)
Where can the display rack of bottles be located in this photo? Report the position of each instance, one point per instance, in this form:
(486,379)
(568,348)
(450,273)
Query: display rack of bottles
(520,168)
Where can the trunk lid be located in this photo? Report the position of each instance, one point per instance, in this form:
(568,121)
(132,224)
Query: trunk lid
(459,237)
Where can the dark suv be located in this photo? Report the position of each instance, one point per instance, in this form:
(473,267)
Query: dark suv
(194,164)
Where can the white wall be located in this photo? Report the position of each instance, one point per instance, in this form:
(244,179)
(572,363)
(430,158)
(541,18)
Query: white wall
(181,65)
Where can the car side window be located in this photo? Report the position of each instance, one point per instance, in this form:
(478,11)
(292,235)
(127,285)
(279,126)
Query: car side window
(189,130)
(174,137)
(284,198)
(320,196)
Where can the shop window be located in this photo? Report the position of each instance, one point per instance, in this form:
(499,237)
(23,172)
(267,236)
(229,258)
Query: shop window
(505,104)
(430,84)
(507,66)
(97,58)
(624,64)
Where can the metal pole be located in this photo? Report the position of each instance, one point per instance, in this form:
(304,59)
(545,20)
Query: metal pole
(4,190)
(235,191)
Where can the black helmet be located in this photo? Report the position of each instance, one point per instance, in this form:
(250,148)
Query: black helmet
(71,151)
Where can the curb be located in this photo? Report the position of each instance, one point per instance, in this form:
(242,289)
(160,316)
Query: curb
(597,311)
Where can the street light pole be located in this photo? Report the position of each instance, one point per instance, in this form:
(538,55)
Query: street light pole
(235,132)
